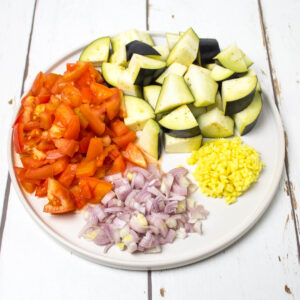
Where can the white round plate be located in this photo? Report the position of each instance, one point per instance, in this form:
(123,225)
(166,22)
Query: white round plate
(224,225)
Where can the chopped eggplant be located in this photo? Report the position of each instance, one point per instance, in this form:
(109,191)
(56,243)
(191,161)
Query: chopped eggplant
(174,93)
(172,39)
(151,94)
(118,76)
(251,72)
(138,112)
(219,73)
(202,86)
(238,93)
(97,51)
(218,103)
(163,50)
(144,70)
(246,119)
(233,59)
(214,124)
(119,57)
(149,140)
(186,49)
(197,111)
(139,48)
(181,145)
(208,49)
(180,123)
(174,68)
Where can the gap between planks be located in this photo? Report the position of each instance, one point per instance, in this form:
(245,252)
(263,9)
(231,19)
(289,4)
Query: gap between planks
(8,181)
(286,161)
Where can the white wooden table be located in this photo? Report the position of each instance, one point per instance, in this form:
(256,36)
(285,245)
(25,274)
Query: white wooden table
(265,264)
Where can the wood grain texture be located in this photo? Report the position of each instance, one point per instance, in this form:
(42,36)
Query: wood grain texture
(14,36)
(261,264)
(282,28)
(33,266)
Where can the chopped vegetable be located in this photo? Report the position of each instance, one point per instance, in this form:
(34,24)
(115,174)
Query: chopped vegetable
(144,212)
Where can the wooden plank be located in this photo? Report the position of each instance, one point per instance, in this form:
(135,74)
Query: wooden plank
(283,39)
(32,266)
(14,36)
(263,264)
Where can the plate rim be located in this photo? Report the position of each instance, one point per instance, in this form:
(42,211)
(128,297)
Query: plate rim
(214,248)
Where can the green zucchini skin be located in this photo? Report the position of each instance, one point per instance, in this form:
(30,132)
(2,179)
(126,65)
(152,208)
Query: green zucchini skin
(186,133)
(139,48)
(234,107)
(148,76)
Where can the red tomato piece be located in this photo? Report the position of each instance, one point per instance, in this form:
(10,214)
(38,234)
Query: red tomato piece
(60,165)
(71,96)
(101,92)
(95,123)
(64,114)
(29,187)
(135,155)
(113,106)
(39,173)
(59,198)
(95,149)
(30,163)
(41,190)
(119,127)
(82,120)
(38,84)
(50,80)
(75,74)
(72,131)
(45,120)
(117,166)
(79,200)
(86,168)
(18,137)
(66,178)
(66,147)
(124,140)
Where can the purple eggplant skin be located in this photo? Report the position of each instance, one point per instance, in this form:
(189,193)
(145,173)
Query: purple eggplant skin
(249,127)
(148,76)
(139,48)
(239,105)
(185,133)
(208,49)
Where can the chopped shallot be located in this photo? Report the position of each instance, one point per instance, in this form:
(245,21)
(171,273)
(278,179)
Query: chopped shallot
(145,210)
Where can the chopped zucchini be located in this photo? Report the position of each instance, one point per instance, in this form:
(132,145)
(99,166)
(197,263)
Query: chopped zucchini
(197,111)
(180,123)
(218,103)
(214,124)
(174,68)
(119,56)
(251,72)
(97,51)
(149,140)
(151,94)
(138,113)
(202,86)
(182,145)
(238,93)
(232,58)
(139,47)
(246,119)
(186,49)
(143,70)
(174,93)
(126,85)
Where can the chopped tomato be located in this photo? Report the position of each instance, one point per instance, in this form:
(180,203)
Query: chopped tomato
(54,154)
(66,147)
(124,140)
(75,74)
(94,122)
(135,155)
(86,168)
(82,120)
(101,189)
(100,173)
(71,96)
(113,106)
(66,178)
(95,149)
(41,190)
(43,172)
(59,198)
(73,128)
(29,162)
(101,92)
(18,137)
(29,187)
(84,143)
(60,165)
(31,125)
(117,166)
(50,80)
(77,196)
(64,114)
(119,127)
(123,112)
(45,120)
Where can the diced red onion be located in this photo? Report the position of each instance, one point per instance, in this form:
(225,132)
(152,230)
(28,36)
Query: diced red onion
(110,195)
